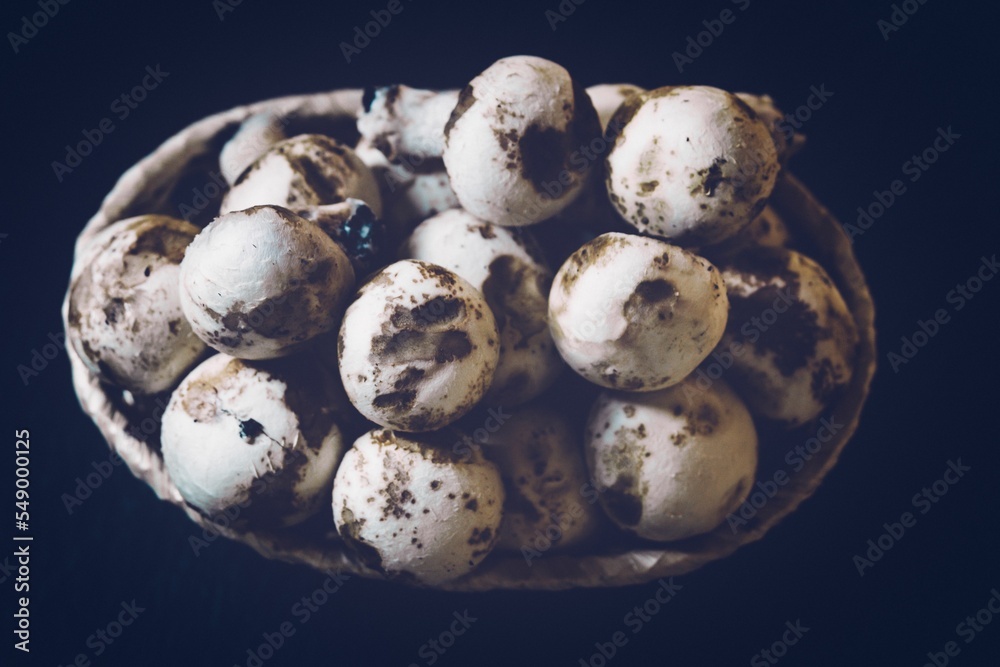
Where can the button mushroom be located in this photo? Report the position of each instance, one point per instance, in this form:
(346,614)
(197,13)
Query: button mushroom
(512,143)
(691,163)
(671,464)
(258,283)
(800,334)
(405,122)
(254,440)
(636,313)
(417,348)
(505,264)
(411,508)
(125,318)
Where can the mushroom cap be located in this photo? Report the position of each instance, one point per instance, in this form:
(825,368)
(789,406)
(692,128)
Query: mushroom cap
(505,264)
(417,348)
(125,318)
(410,507)
(256,284)
(607,97)
(673,463)
(305,170)
(541,462)
(693,164)
(255,136)
(800,337)
(512,144)
(402,121)
(636,313)
(767,230)
(255,439)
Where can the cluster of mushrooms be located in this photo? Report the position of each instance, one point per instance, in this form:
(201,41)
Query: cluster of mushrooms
(332,340)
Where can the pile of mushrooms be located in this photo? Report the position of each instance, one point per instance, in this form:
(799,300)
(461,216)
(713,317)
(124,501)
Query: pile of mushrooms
(376,338)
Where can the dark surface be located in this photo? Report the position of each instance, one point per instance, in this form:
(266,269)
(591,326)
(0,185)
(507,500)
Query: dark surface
(889,99)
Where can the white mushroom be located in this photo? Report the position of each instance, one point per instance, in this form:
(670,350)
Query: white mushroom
(255,441)
(513,143)
(691,163)
(799,334)
(786,140)
(417,348)
(505,264)
(306,170)
(541,462)
(255,136)
(406,122)
(671,464)
(411,508)
(258,283)
(125,319)
(767,230)
(636,313)
(607,97)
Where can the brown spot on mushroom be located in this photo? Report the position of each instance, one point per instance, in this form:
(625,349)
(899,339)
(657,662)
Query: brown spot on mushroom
(466,99)
(621,501)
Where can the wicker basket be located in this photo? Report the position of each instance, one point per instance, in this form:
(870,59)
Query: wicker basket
(158,183)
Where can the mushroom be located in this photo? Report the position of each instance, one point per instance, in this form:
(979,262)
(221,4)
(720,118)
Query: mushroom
(411,508)
(125,319)
(693,164)
(607,97)
(513,143)
(306,170)
(505,264)
(254,441)
(671,464)
(541,463)
(258,283)
(636,313)
(799,333)
(417,348)
(353,225)
(767,230)
(405,122)
(253,138)
(787,141)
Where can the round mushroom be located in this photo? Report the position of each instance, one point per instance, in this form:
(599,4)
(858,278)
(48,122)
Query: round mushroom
(404,122)
(671,464)
(306,170)
(541,463)
(504,264)
(636,313)
(125,318)
(512,144)
(255,442)
(258,283)
(799,334)
(411,508)
(693,164)
(417,348)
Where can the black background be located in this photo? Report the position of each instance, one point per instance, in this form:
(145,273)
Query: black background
(889,99)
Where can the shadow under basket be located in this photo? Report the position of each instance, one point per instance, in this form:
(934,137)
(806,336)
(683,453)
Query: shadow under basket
(171,178)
